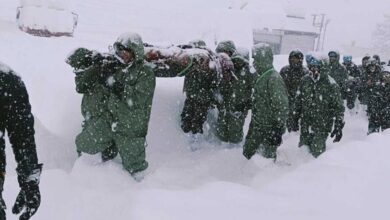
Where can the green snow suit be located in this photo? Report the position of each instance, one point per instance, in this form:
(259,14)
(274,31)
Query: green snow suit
(123,104)
(269,107)
(236,101)
(319,106)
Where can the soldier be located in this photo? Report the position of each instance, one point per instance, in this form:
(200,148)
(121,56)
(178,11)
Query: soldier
(118,94)
(354,76)
(371,76)
(235,95)
(338,72)
(364,77)
(319,106)
(200,82)
(292,75)
(17,120)
(269,106)
(377,92)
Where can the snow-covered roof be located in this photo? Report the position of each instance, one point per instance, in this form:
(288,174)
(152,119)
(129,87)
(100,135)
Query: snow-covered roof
(273,16)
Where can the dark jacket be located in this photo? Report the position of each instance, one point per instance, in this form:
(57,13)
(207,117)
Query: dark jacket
(16,118)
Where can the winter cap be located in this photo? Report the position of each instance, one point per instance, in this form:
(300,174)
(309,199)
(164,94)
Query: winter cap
(347,59)
(314,62)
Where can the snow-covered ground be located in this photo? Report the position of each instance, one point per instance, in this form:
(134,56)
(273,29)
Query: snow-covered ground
(349,181)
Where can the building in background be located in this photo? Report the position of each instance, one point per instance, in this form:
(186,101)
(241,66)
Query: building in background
(286,33)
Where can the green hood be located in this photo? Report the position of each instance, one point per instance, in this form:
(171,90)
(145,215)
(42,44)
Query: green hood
(132,42)
(227,47)
(262,57)
(337,58)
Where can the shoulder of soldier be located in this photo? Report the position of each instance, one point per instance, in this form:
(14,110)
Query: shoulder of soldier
(332,82)
(285,69)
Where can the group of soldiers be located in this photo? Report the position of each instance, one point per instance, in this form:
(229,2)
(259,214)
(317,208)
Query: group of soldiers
(118,89)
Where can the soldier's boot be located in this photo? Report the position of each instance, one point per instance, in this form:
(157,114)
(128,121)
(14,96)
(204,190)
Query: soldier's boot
(109,153)
(318,145)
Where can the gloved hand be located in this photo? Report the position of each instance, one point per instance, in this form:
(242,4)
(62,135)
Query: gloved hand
(338,134)
(29,197)
(337,131)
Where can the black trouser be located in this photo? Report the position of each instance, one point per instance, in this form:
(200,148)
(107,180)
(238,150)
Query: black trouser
(194,114)
(2,203)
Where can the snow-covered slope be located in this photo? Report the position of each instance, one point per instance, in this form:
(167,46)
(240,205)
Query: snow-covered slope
(349,181)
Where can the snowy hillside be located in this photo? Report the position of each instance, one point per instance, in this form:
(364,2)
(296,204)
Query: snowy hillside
(349,181)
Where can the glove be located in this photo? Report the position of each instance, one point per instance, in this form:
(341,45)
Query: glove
(337,131)
(338,134)
(29,197)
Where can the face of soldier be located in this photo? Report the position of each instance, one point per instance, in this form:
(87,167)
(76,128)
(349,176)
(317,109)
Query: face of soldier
(333,59)
(371,68)
(295,62)
(126,56)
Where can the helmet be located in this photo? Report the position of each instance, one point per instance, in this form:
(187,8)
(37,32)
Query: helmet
(314,62)
(347,59)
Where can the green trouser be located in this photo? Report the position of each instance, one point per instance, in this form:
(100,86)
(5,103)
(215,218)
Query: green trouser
(97,136)
(132,152)
(230,126)
(316,141)
(264,139)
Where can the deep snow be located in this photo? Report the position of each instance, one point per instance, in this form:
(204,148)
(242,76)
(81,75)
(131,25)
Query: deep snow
(349,181)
